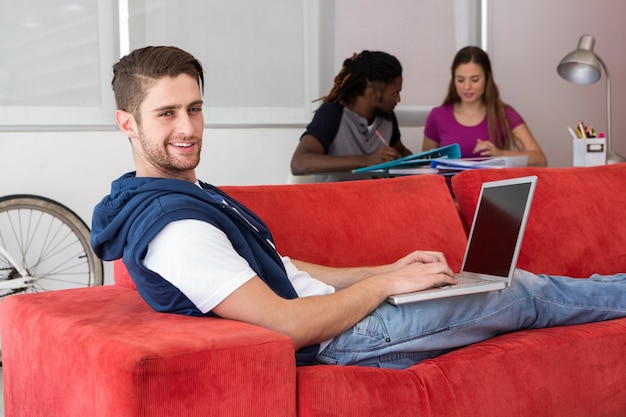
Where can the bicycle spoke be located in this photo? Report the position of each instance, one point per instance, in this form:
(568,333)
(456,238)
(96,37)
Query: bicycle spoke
(49,242)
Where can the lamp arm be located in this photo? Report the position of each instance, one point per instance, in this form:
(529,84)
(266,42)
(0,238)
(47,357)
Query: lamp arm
(609,133)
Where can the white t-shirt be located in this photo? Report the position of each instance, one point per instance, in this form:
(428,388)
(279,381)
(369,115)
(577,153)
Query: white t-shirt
(179,254)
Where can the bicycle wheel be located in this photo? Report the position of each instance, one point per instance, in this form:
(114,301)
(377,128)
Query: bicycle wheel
(49,241)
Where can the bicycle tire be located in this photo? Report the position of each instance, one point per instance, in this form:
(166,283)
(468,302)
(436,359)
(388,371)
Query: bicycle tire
(50,241)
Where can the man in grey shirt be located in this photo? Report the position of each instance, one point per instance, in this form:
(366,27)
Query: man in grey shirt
(355,126)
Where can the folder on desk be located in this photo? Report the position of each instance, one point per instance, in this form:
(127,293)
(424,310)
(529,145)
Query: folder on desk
(417,160)
(482,162)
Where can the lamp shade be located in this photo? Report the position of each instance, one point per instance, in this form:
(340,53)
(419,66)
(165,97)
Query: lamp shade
(581,66)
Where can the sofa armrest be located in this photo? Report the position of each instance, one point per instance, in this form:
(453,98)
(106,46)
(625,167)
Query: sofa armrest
(103,351)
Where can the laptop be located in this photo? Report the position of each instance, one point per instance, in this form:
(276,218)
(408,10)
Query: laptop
(494,242)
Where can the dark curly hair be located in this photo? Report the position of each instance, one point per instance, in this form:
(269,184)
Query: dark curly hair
(359,71)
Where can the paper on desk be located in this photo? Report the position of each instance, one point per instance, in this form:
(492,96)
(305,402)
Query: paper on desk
(412,171)
(491,162)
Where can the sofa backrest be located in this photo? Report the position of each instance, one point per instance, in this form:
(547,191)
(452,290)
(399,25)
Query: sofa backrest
(577,224)
(367,222)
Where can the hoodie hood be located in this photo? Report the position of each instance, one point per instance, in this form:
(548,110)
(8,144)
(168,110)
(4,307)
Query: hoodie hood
(117,214)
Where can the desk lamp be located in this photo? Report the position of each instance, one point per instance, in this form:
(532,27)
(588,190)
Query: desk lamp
(583,66)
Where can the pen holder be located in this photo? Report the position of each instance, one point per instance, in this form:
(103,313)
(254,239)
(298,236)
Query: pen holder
(589,152)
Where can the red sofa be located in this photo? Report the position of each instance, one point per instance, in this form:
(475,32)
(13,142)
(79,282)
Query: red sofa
(103,352)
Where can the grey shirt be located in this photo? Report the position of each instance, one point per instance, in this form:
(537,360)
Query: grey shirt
(342,132)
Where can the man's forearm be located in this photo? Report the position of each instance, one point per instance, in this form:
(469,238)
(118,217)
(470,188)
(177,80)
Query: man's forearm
(337,277)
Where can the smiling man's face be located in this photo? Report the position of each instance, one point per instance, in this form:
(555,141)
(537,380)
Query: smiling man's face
(167,138)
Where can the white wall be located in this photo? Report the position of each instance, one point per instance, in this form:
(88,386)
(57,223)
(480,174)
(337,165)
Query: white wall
(528,38)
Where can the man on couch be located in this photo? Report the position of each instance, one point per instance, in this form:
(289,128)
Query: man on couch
(193,250)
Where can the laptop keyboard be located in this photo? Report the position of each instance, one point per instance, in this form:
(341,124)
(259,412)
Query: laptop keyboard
(462,280)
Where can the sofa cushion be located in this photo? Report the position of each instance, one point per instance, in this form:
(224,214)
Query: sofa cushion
(562,371)
(574,371)
(577,224)
(346,391)
(316,220)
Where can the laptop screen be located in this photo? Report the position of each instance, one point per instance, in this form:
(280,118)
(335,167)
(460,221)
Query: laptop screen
(497,228)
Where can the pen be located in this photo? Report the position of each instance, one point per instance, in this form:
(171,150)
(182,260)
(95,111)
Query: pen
(582,130)
(381,137)
(571,132)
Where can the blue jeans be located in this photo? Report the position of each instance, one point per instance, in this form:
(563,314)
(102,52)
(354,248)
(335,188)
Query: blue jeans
(401,336)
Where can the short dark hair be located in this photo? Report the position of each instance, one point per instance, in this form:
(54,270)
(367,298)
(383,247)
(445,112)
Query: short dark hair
(360,70)
(135,72)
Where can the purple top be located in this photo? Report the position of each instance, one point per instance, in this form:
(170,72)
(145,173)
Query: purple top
(442,127)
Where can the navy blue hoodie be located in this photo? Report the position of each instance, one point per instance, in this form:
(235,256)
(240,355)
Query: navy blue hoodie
(125,222)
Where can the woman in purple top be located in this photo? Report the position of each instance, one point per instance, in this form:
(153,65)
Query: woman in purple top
(473,115)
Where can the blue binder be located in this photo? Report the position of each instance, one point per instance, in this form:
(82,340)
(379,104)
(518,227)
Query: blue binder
(416,160)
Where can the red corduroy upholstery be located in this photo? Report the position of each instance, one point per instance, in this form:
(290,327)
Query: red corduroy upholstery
(361,222)
(104,352)
(577,223)
(101,352)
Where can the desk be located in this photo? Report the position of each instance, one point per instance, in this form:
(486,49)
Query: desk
(445,167)
(353,176)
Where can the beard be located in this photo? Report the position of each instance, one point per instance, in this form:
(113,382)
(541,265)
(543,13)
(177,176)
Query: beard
(156,153)
(378,112)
